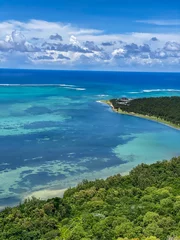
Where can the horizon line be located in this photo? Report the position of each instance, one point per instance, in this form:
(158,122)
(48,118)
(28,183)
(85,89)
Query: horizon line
(86,70)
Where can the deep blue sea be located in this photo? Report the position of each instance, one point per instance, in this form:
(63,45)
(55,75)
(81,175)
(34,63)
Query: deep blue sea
(54,133)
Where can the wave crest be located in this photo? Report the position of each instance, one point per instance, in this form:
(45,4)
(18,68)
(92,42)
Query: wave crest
(156,90)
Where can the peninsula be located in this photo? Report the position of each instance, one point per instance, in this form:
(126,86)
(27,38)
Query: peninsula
(165,110)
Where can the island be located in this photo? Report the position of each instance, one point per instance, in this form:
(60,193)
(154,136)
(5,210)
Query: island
(165,110)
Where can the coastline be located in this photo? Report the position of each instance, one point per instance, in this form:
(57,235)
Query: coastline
(45,194)
(151,118)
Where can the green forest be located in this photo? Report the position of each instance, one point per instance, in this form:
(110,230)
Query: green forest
(144,205)
(166,108)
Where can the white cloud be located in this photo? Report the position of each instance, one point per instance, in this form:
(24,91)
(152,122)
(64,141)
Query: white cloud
(86,31)
(119,52)
(175,22)
(172,46)
(56,45)
(73,40)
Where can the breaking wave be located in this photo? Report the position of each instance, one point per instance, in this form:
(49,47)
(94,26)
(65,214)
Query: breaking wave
(102,95)
(156,90)
(161,90)
(67,86)
(76,88)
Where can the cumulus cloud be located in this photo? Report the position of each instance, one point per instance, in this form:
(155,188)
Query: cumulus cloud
(172,46)
(64,47)
(16,41)
(56,37)
(92,47)
(41,42)
(120,52)
(135,49)
(35,39)
(44,57)
(132,50)
(73,40)
(106,44)
(61,56)
(154,39)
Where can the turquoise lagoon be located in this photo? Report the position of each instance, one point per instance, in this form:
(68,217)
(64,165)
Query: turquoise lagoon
(54,133)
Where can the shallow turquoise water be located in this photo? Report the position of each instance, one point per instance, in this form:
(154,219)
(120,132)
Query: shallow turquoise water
(54,136)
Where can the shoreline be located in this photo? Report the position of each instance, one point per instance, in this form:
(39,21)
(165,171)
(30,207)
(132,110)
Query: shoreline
(151,118)
(45,194)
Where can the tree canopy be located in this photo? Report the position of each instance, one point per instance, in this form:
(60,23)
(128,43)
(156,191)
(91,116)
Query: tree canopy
(144,205)
(166,108)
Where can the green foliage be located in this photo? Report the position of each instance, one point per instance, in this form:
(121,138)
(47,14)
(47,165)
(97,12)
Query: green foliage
(166,108)
(145,205)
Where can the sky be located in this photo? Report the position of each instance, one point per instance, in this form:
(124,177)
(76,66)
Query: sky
(120,35)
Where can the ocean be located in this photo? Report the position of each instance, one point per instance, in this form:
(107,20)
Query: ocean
(54,132)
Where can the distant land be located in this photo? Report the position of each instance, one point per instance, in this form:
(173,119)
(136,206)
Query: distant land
(165,110)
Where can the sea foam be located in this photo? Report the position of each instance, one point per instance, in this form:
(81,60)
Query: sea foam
(156,90)
(161,90)
(102,95)
(67,86)
(76,88)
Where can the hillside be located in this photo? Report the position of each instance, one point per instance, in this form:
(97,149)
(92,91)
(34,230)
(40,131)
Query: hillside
(143,205)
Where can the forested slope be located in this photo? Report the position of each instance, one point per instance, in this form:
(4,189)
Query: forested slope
(166,108)
(142,205)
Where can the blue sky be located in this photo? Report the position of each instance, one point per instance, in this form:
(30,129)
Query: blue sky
(103,14)
(127,25)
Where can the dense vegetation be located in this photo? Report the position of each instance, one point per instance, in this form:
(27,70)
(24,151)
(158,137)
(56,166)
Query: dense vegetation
(143,205)
(166,108)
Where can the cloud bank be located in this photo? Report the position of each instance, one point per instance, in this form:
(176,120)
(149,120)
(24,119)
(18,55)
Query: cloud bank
(175,22)
(42,44)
